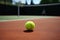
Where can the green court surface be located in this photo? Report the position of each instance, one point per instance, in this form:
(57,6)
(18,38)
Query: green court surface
(23,17)
(17,17)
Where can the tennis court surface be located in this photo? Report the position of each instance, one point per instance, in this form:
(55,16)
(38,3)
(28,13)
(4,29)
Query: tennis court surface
(47,28)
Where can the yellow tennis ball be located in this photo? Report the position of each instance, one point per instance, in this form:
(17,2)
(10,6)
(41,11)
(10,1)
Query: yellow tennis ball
(30,25)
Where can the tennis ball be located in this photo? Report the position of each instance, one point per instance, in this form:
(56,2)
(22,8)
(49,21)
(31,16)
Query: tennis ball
(30,25)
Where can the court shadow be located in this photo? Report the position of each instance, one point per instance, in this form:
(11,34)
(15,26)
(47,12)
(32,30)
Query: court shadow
(28,31)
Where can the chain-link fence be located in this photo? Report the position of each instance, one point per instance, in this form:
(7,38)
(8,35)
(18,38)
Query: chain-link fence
(23,9)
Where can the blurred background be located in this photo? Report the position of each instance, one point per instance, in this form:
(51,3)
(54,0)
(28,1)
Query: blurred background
(34,7)
(28,2)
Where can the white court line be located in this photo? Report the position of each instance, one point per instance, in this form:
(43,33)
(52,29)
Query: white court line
(14,20)
(25,19)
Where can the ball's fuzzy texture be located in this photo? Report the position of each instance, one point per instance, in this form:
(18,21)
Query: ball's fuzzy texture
(29,25)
